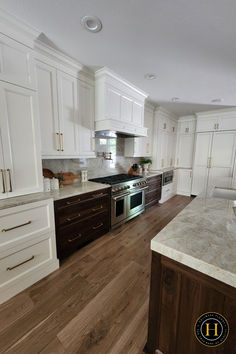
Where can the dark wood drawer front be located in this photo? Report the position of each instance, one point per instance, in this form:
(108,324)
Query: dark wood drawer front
(77,212)
(154,179)
(153,196)
(82,198)
(74,236)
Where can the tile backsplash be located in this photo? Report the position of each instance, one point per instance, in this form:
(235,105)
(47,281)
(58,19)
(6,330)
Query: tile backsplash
(96,166)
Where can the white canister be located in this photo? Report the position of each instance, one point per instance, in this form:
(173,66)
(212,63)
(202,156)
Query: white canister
(46,185)
(56,183)
(84,176)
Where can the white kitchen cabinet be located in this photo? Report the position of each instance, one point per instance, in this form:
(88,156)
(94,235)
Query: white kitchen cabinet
(224,119)
(27,247)
(184,154)
(20,135)
(68,114)
(184,181)
(142,146)
(86,120)
(16,63)
(164,139)
(119,105)
(214,158)
(48,109)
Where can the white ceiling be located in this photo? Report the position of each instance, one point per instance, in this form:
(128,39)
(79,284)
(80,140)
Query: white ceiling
(188,44)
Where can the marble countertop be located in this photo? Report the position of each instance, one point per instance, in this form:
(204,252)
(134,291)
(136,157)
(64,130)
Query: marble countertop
(203,235)
(65,192)
(151,174)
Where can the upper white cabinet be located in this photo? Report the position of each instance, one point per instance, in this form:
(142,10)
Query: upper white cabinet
(224,119)
(185,142)
(164,139)
(21,170)
(119,106)
(86,119)
(142,147)
(66,107)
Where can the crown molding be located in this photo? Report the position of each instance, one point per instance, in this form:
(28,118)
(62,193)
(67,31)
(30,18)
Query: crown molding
(225,111)
(191,117)
(17,29)
(164,111)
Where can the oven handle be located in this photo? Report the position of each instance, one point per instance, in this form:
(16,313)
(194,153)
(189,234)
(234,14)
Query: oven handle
(138,190)
(120,196)
(142,189)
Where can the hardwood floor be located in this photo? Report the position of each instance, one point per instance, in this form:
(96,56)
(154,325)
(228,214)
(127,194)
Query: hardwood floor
(97,302)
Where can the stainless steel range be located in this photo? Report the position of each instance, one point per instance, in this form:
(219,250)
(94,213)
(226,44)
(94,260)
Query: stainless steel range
(128,196)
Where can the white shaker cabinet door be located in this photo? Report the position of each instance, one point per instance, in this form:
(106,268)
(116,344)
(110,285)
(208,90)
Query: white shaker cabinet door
(137,114)
(68,114)
(184,181)
(86,120)
(201,162)
(222,155)
(3,192)
(16,63)
(185,150)
(20,140)
(48,112)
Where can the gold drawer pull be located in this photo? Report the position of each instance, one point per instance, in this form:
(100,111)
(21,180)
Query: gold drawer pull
(74,238)
(74,202)
(62,142)
(99,208)
(10,184)
(59,142)
(27,260)
(97,227)
(16,227)
(3,182)
(73,217)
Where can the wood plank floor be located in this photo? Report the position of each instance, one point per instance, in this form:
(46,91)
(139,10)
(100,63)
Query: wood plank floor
(97,302)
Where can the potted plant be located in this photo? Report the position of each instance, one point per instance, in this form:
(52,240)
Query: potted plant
(145,162)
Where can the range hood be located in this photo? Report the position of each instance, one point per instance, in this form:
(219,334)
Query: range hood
(119,106)
(109,134)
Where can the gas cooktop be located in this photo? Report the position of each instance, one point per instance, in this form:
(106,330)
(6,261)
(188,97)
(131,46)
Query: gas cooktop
(115,179)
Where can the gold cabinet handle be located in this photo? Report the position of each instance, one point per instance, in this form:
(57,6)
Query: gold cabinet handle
(209,162)
(73,217)
(74,238)
(73,202)
(16,227)
(10,184)
(18,265)
(3,181)
(99,208)
(162,162)
(98,195)
(59,142)
(164,126)
(62,142)
(97,227)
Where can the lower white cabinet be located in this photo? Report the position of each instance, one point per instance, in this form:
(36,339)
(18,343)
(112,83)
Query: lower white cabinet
(27,246)
(184,181)
(21,170)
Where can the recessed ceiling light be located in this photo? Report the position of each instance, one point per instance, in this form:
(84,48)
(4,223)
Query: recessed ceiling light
(175,99)
(217,100)
(91,23)
(150,76)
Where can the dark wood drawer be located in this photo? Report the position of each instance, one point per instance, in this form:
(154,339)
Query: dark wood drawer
(154,179)
(152,197)
(73,236)
(79,211)
(64,204)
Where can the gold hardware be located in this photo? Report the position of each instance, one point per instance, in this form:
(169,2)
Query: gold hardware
(3,182)
(74,202)
(217,125)
(173,129)
(16,227)
(147,147)
(73,217)
(99,208)
(74,238)
(27,260)
(171,161)
(10,184)
(97,227)
(210,161)
(62,142)
(186,130)
(59,142)
(162,162)
(164,126)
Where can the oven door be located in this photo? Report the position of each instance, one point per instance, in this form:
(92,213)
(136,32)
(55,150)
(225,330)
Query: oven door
(119,208)
(136,202)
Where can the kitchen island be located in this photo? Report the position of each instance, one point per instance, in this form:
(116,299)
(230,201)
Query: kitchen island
(194,272)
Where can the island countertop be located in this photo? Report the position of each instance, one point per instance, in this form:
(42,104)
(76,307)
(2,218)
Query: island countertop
(62,193)
(203,236)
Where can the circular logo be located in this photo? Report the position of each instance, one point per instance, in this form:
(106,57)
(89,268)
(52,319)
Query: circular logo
(211,329)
